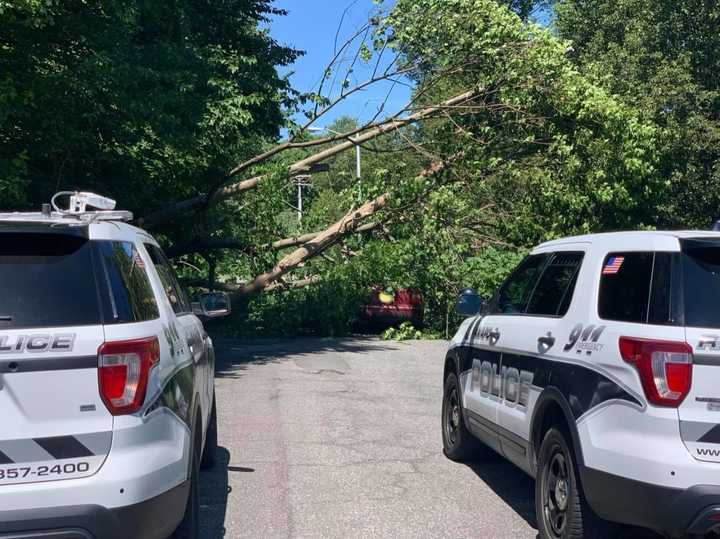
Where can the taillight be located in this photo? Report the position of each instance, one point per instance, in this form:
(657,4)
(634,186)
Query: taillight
(665,368)
(123,373)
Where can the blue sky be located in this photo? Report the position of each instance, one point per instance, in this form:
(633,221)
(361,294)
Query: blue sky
(311,26)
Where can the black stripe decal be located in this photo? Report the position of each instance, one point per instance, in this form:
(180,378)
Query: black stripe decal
(64,447)
(471,329)
(4,459)
(705,359)
(582,387)
(712,436)
(48,364)
(177,395)
(470,354)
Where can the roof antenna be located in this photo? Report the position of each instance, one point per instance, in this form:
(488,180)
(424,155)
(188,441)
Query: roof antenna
(716,226)
(46,211)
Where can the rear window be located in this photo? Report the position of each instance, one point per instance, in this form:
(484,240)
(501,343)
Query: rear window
(46,280)
(625,287)
(641,287)
(701,282)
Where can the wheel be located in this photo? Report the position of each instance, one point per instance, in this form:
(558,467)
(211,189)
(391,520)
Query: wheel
(211,440)
(189,528)
(560,506)
(458,443)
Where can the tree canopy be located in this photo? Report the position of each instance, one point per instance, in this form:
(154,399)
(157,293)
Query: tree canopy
(144,101)
(515,133)
(663,59)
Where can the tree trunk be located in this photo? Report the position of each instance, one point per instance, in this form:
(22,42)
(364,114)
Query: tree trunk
(347,225)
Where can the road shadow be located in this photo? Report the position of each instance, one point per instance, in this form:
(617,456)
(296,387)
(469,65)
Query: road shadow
(235,355)
(517,490)
(214,491)
(510,483)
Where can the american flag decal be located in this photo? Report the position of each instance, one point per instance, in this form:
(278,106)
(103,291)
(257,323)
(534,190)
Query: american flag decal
(138,260)
(613,265)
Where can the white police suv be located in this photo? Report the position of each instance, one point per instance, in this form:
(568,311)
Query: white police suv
(107,407)
(596,369)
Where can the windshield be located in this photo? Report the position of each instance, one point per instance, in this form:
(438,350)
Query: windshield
(701,283)
(46,280)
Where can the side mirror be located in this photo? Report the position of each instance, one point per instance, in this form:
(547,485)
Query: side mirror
(212,305)
(469,303)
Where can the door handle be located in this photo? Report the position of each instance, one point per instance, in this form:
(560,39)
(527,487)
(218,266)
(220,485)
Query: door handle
(494,335)
(547,340)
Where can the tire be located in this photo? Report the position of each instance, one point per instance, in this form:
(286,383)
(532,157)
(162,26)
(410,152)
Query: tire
(189,528)
(560,506)
(209,457)
(458,443)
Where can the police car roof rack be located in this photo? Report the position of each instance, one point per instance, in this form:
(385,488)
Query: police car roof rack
(76,212)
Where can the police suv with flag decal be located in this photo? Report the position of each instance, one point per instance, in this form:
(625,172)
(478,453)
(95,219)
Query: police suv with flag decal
(595,368)
(107,405)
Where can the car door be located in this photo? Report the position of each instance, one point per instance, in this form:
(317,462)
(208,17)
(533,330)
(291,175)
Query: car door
(531,337)
(487,337)
(480,404)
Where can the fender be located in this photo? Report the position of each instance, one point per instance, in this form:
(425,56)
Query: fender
(193,432)
(552,395)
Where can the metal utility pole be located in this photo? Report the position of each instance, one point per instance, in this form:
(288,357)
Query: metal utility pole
(358,174)
(302,181)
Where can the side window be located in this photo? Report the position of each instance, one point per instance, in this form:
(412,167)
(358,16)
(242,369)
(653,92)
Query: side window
(515,293)
(171,285)
(129,294)
(625,287)
(665,293)
(660,306)
(555,288)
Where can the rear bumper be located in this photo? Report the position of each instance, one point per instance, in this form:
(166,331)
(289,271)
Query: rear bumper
(668,510)
(155,518)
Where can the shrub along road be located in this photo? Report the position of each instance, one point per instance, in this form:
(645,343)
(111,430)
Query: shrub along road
(341,438)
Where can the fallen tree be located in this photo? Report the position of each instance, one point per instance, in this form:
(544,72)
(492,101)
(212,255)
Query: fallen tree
(304,165)
(317,243)
(345,226)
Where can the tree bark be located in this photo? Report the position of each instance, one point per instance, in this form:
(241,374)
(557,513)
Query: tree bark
(347,225)
(300,240)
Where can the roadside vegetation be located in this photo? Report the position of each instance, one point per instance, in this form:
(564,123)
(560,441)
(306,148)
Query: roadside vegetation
(605,118)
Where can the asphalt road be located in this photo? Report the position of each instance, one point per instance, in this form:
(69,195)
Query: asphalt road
(341,438)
